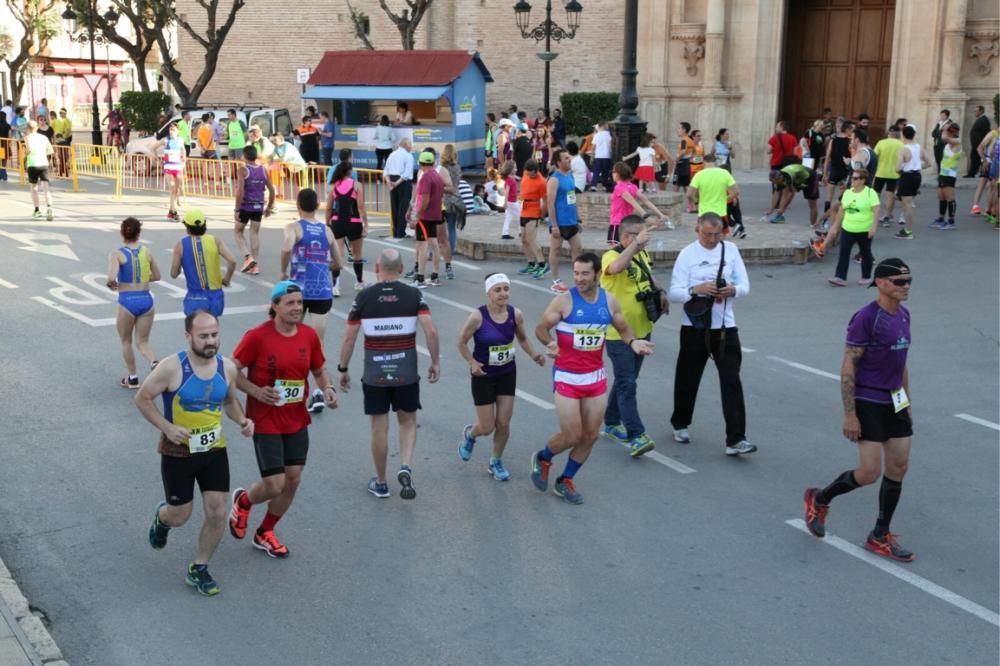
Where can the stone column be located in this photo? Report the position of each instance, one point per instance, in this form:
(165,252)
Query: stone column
(952,44)
(715,33)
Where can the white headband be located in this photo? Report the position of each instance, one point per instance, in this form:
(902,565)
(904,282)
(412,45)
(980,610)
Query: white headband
(495,279)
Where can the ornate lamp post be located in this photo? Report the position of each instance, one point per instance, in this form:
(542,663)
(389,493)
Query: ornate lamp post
(628,127)
(70,23)
(547,30)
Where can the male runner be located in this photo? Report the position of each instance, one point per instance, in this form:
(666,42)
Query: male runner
(196,386)
(427,216)
(251,182)
(38,151)
(874,385)
(279,356)
(580,382)
(910,161)
(309,247)
(198,255)
(564,225)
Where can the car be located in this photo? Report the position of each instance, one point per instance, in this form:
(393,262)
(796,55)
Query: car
(269,120)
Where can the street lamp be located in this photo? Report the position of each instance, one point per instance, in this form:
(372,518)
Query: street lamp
(547,30)
(70,24)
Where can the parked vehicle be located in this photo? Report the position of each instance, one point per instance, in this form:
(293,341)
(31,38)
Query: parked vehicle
(269,120)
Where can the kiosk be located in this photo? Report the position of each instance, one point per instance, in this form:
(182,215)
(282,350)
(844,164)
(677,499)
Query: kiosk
(445,92)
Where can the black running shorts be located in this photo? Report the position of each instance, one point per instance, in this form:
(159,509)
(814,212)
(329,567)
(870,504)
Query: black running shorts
(317,307)
(947,181)
(880,423)
(349,230)
(486,389)
(427,229)
(568,231)
(378,399)
(276,452)
(888,183)
(250,216)
(36,174)
(909,184)
(179,473)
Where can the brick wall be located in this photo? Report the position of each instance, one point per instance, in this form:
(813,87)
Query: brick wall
(258,61)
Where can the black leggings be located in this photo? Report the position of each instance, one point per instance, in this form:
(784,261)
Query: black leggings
(847,241)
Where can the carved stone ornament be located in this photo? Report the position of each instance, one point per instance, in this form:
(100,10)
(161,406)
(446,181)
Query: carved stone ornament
(693,37)
(984,47)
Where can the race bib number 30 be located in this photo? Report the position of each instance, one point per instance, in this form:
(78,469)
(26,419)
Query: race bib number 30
(501,354)
(205,438)
(292,390)
(588,339)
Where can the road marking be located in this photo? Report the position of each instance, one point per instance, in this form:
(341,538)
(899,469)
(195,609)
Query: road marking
(9,285)
(161,316)
(31,244)
(902,574)
(534,286)
(806,368)
(978,421)
(666,461)
(537,402)
(447,301)
(747,350)
(471,267)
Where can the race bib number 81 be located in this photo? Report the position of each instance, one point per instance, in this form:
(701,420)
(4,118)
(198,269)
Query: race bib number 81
(588,339)
(501,354)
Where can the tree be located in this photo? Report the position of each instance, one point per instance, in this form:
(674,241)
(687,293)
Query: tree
(408,20)
(38,27)
(361,24)
(211,41)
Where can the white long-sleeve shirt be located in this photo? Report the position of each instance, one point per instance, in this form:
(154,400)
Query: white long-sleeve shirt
(695,265)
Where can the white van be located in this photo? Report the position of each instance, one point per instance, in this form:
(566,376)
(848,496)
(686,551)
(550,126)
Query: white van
(268,120)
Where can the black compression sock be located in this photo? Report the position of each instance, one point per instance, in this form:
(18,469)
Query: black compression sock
(335,275)
(826,206)
(951,209)
(844,483)
(942,208)
(359,270)
(888,498)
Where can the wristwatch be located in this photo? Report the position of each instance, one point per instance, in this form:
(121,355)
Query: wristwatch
(341,368)
(690,291)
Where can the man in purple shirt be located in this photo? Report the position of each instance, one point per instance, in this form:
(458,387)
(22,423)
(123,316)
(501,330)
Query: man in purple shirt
(874,385)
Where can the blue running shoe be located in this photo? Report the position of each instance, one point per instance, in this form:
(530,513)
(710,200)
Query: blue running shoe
(937,223)
(541,272)
(468,441)
(641,445)
(380,490)
(616,432)
(777,219)
(497,470)
(158,531)
(199,578)
(567,491)
(540,472)
(530,268)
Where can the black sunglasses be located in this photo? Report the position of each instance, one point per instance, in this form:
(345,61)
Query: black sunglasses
(857,177)
(902,282)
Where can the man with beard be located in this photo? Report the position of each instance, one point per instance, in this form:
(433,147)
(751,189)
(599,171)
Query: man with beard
(196,385)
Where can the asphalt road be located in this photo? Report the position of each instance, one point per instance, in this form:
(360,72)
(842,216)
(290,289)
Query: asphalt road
(657,566)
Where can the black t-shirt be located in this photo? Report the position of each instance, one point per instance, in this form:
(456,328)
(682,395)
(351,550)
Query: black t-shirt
(387,313)
(49,133)
(523,150)
(839,149)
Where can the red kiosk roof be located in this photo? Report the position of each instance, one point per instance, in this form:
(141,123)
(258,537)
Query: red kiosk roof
(393,68)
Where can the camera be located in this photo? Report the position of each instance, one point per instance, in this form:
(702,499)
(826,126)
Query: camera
(720,283)
(650,298)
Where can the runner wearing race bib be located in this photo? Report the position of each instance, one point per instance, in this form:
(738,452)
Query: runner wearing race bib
(131,268)
(173,167)
(564,224)
(251,184)
(197,254)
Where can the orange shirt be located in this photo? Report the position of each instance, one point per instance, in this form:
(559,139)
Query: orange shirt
(532,192)
(307,129)
(206,137)
(588,144)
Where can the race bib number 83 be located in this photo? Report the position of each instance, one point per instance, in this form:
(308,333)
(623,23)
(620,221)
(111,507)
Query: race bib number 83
(203,439)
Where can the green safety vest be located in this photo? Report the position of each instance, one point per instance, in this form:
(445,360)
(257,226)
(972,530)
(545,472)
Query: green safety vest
(236,137)
(184,131)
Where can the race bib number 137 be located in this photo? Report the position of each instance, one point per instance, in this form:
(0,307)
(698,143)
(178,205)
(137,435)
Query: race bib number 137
(588,339)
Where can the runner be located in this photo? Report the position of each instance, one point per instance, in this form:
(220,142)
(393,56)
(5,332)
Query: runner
(789,180)
(196,385)
(886,176)
(38,149)
(173,167)
(909,163)
(837,172)
(427,217)
(685,149)
(198,255)
(389,312)
(251,182)
(493,327)
(951,155)
(130,270)
(580,382)
(532,194)
(311,257)
(347,217)
(564,225)
(278,355)
(877,415)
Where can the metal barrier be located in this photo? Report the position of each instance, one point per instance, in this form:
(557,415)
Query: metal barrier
(13,156)
(12,159)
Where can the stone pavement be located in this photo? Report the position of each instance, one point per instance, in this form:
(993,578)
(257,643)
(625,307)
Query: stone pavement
(24,640)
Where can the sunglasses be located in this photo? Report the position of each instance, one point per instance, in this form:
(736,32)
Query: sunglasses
(902,282)
(857,177)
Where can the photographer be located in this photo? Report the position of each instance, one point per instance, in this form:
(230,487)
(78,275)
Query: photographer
(707,274)
(627,273)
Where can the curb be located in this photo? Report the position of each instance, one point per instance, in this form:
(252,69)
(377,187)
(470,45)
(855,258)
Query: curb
(27,627)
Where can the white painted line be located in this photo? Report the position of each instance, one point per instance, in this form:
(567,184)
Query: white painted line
(8,285)
(75,315)
(666,461)
(536,287)
(806,368)
(978,421)
(902,574)
(446,301)
(161,316)
(747,350)
(537,402)
(471,267)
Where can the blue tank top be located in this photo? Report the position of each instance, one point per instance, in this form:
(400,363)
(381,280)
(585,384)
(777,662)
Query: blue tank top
(197,405)
(581,335)
(172,154)
(311,262)
(253,188)
(494,343)
(136,268)
(565,200)
(200,261)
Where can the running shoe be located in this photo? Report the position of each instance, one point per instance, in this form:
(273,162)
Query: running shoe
(448,272)
(267,542)
(48,214)
(199,578)
(948,226)
(857,258)
(825,226)
(158,531)
(248,263)
(336,291)
(253,270)
(837,282)
(380,490)
(316,402)
(739,231)
(887,546)
(37,213)
(358,286)
(506,237)
(129,382)
(540,472)
(937,223)
(669,225)
(419,284)
(641,445)
(558,287)
(864,282)
(238,516)
(815,513)
(435,281)
(530,268)
(886,221)
(777,219)
(682,436)
(497,470)
(904,234)
(411,275)
(739,448)
(976,210)
(468,441)
(564,488)
(617,432)
(991,218)
(541,272)
(405,478)
(818,249)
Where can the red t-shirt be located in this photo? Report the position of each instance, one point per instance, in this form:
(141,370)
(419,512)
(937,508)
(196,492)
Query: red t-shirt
(779,151)
(269,356)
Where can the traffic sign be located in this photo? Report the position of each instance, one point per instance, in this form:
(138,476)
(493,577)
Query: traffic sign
(93,80)
(302,75)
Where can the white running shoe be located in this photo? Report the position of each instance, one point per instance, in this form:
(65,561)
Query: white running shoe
(682,436)
(740,447)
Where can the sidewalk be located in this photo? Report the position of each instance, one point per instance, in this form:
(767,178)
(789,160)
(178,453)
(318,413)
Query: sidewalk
(24,640)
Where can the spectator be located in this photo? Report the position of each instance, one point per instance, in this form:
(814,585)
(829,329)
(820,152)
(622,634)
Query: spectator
(383,142)
(980,128)
(602,157)
(326,139)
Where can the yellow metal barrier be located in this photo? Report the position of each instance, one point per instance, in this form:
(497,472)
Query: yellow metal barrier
(97,161)
(13,156)
(12,159)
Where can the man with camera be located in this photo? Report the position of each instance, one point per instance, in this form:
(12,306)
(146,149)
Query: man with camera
(707,274)
(627,274)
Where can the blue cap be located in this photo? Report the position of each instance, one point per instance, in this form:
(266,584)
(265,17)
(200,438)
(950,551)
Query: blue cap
(282,288)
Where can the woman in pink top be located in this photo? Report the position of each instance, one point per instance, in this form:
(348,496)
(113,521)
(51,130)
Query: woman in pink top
(626,199)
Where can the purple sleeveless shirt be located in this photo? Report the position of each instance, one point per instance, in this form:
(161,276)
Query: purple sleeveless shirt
(494,343)
(253,188)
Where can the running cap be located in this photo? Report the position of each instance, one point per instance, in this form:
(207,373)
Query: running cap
(426,157)
(284,288)
(194,217)
(504,122)
(495,279)
(890,268)
(523,127)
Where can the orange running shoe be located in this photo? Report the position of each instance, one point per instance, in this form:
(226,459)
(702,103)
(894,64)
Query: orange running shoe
(887,546)
(238,516)
(818,249)
(815,513)
(248,263)
(540,472)
(269,543)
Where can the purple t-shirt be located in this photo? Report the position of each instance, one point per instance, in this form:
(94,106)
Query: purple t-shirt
(886,339)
